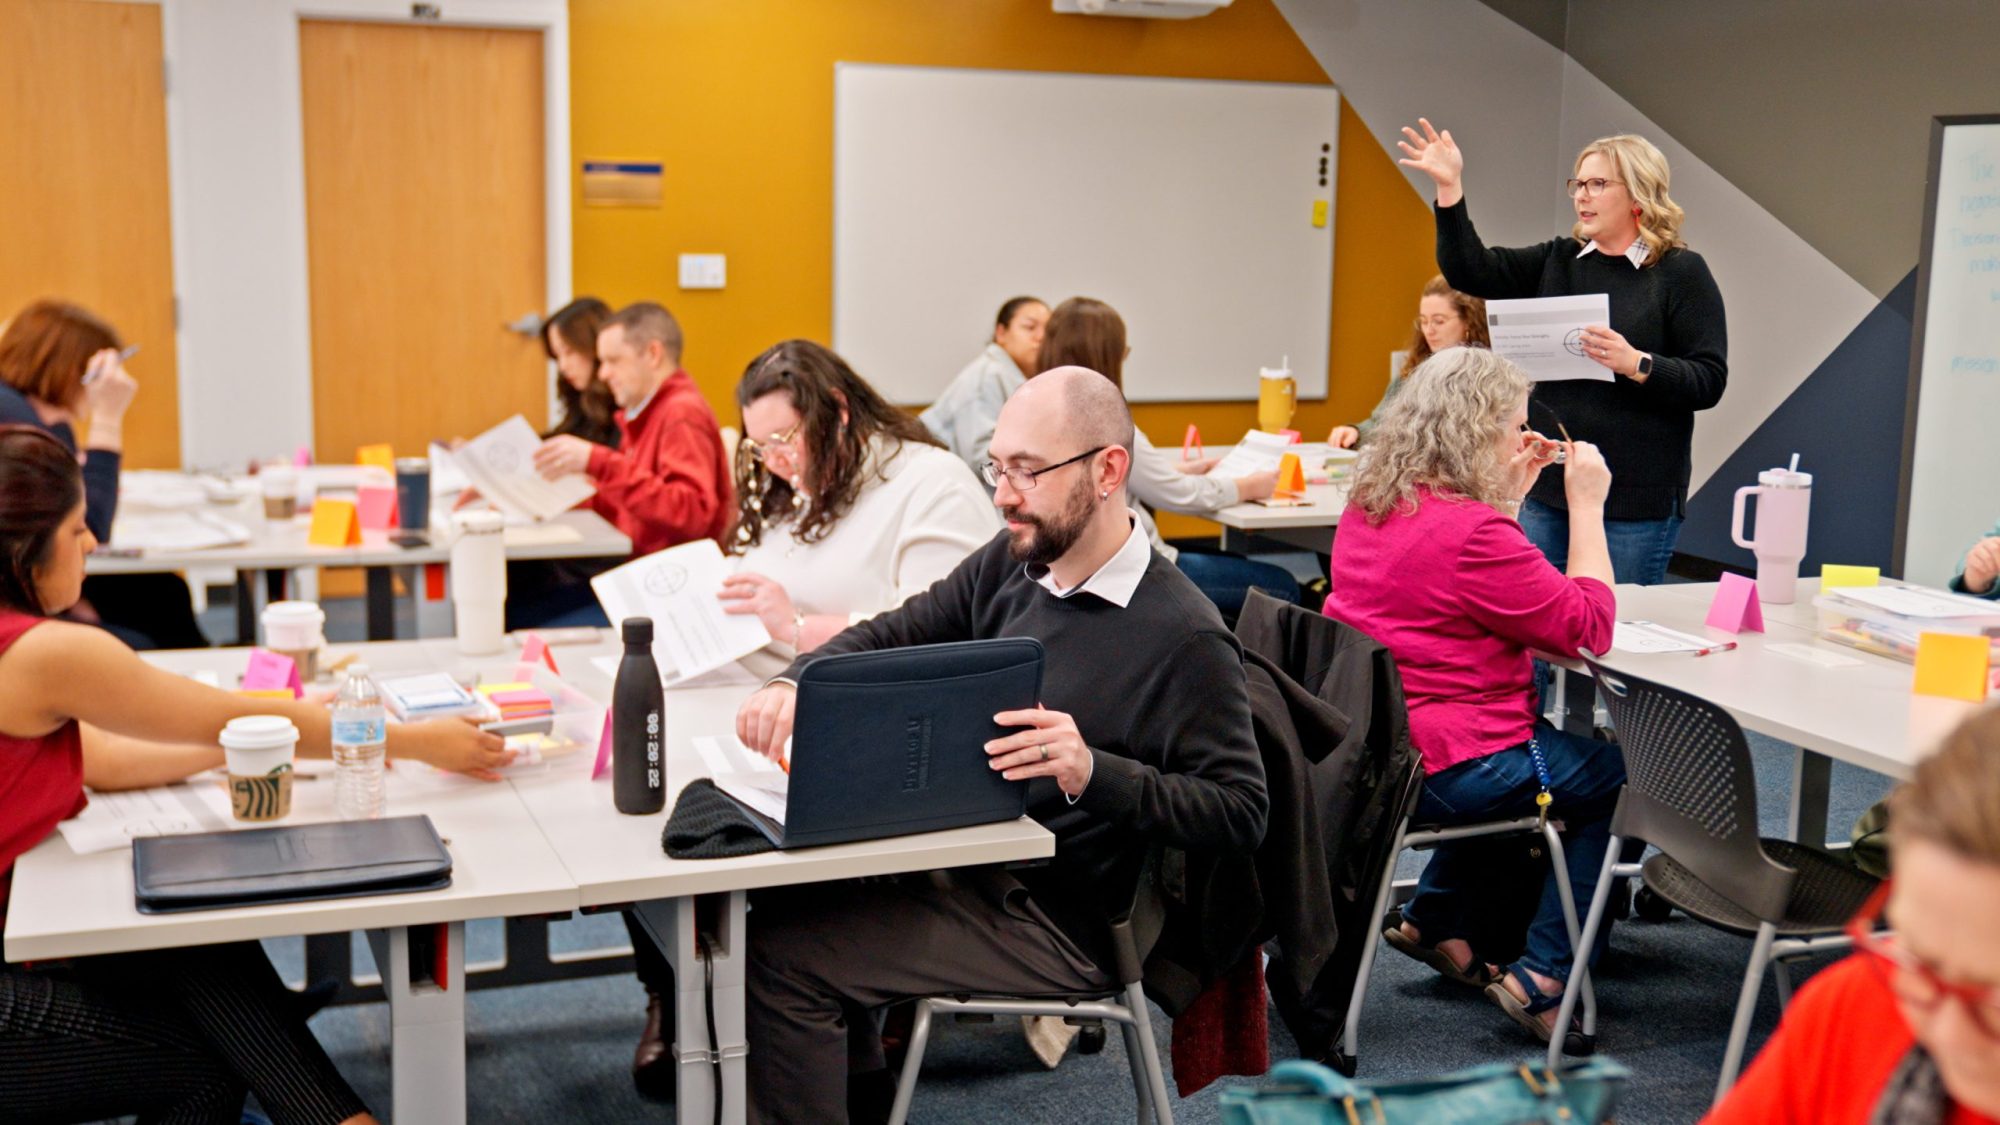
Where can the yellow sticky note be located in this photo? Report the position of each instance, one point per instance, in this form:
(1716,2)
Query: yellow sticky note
(1291,476)
(490,689)
(1320,210)
(381,456)
(267,693)
(1953,665)
(335,523)
(1833,577)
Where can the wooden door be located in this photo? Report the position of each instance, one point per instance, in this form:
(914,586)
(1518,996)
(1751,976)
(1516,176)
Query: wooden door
(83,187)
(424,226)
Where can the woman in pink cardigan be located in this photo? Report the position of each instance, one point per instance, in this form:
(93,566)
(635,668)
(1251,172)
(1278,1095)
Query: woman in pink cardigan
(1429,561)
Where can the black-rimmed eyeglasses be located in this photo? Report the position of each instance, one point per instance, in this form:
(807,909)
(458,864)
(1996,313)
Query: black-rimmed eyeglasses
(1023,480)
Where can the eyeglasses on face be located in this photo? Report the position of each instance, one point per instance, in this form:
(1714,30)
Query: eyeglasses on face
(1591,187)
(750,447)
(1915,981)
(1023,480)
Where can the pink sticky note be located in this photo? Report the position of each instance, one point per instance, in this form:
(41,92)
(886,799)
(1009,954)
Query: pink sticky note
(268,671)
(603,749)
(378,507)
(1191,444)
(1291,436)
(1736,608)
(534,648)
(303,457)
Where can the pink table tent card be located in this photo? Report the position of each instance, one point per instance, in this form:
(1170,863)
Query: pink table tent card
(603,749)
(377,505)
(1736,608)
(268,671)
(535,650)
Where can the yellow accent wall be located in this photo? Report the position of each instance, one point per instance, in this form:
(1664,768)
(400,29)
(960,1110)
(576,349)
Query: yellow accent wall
(735,97)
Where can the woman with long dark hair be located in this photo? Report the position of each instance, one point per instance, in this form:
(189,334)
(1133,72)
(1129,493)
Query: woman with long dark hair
(177,1035)
(569,336)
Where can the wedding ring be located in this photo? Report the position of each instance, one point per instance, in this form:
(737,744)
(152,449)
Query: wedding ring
(1045,750)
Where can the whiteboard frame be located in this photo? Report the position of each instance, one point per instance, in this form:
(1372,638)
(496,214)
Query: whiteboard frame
(1918,569)
(1313,379)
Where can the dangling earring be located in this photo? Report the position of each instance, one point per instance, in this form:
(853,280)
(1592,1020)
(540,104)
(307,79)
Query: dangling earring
(800,501)
(1636,212)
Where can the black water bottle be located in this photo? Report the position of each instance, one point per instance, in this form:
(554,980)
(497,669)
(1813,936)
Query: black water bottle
(639,725)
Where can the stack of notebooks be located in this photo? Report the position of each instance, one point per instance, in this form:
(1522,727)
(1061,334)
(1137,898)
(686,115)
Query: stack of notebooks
(518,701)
(430,695)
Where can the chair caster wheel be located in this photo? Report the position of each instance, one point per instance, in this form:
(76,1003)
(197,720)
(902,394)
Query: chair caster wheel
(1342,1062)
(1579,1045)
(1090,1038)
(1650,906)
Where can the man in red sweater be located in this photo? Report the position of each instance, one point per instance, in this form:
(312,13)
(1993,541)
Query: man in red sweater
(667,483)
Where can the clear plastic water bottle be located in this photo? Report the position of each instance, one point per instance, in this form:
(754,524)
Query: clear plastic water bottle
(359,742)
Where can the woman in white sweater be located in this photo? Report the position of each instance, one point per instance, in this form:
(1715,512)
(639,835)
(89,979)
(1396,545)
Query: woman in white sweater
(845,505)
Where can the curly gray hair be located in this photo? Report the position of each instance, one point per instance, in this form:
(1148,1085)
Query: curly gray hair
(1443,431)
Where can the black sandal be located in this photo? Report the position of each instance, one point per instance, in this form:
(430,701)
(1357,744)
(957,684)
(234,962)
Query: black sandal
(1474,975)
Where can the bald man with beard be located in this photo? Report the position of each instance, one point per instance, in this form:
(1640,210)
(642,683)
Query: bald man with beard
(1144,737)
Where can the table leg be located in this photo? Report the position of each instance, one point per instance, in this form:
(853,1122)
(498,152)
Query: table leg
(426,1019)
(381,603)
(1576,701)
(246,607)
(673,923)
(1812,780)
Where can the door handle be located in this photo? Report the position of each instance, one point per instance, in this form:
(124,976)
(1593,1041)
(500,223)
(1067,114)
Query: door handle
(527,324)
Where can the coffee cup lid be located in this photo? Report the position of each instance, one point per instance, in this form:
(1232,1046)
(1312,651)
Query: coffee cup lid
(1784,478)
(479,521)
(294,612)
(259,732)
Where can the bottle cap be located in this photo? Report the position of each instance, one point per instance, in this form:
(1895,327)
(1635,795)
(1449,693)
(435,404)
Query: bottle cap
(637,630)
(358,668)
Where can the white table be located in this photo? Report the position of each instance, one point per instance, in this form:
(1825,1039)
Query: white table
(618,860)
(66,905)
(278,546)
(543,842)
(1308,527)
(1864,714)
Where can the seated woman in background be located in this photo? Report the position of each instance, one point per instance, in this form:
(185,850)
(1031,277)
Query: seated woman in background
(1979,572)
(1446,318)
(59,364)
(1083,332)
(569,336)
(1907,1029)
(177,1034)
(1428,560)
(845,508)
(962,417)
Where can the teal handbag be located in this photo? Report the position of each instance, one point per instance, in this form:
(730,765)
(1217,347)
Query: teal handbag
(1305,1093)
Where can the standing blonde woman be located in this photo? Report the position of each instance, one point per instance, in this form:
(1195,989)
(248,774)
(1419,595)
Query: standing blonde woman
(1429,561)
(1446,318)
(1666,346)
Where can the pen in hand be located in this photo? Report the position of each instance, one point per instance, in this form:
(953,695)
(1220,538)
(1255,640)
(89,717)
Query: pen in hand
(125,353)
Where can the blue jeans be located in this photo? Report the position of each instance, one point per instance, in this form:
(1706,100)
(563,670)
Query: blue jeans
(1227,579)
(1584,777)
(1640,549)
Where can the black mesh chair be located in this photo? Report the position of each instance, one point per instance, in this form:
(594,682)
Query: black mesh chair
(1134,929)
(1689,792)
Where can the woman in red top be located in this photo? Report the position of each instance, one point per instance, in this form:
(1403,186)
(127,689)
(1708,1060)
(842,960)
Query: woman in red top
(1908,1029)
(176,1035)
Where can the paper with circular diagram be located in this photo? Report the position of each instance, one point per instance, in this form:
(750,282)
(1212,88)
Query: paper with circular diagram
(500,463)
(677,588)
(1543,335)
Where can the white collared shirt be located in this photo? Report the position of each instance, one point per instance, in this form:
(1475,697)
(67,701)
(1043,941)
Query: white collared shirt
(1635,253)
(1118,579)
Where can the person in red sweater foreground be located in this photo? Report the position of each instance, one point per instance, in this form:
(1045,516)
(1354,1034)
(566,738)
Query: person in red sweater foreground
(1908,1029)
(666,484)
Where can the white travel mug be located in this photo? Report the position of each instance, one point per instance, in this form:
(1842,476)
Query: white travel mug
(479,582)
(1784,499)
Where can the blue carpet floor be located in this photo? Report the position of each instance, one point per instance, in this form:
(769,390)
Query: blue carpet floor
(561,1052)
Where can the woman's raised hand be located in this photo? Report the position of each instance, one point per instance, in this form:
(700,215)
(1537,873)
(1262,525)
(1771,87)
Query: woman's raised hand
(1436,155)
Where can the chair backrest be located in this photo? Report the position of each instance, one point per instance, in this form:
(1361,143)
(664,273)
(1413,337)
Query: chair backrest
(1690,790)
(1137,922)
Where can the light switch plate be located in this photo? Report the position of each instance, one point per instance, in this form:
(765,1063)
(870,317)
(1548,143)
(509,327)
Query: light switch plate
(704,271)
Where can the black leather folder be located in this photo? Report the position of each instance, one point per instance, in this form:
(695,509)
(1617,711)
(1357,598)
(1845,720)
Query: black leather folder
(292,863)
(893,742)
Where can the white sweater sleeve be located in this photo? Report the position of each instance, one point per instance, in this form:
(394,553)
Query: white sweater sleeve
(948,517)
(1158,485)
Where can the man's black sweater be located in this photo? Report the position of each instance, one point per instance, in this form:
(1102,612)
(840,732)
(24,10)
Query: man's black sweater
(1157,691)
(1670,310)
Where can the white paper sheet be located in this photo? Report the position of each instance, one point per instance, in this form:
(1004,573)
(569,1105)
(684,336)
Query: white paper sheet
(749,777)
(729,675)
(1259,452)
(1913,601)
(1542,335)
(677,588)
(540,535)
(500,463)
(176,531)
(114,820)
(1824,658)
(1644,636)
(446,476)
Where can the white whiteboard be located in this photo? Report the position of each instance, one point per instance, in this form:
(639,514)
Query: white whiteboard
(1955,453)
(1187,205)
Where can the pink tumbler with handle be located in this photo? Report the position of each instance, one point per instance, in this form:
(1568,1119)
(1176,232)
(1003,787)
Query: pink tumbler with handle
(1784,498)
